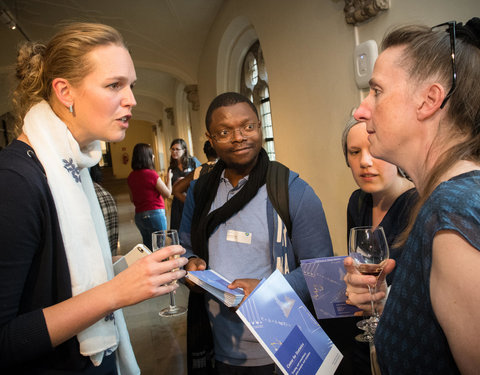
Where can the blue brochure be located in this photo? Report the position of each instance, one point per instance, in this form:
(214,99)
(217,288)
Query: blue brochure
(216,284)
(287,330)
(324,277)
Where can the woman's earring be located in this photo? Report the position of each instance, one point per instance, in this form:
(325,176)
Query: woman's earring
(70,108)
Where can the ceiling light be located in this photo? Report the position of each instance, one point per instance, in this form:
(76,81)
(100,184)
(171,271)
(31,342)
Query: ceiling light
(7,19)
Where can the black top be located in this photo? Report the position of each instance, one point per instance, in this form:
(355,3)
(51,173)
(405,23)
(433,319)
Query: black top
(34,271)
(177,172)
(342,331)
(359,213)
(177,205)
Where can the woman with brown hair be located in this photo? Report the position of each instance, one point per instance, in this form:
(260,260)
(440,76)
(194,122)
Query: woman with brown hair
(181,164)
(423,114)
(147,192)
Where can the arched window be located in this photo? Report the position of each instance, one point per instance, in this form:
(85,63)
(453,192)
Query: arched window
(254,85)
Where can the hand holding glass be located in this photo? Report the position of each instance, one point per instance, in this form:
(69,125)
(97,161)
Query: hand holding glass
(368,248)
(161,239)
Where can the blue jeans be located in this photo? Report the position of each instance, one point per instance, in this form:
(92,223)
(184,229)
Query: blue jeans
(150,221)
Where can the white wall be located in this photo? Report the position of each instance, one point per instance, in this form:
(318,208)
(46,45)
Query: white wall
(308,49)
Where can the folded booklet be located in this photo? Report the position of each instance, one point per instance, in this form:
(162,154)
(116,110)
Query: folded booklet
(288,332)
(324,277)
(216,284)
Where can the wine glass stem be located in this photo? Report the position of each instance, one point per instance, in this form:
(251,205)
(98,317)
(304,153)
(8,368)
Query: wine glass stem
(372,291)
(172,299)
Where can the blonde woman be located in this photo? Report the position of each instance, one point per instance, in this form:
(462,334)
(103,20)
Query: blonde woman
(385,196)
(60,300)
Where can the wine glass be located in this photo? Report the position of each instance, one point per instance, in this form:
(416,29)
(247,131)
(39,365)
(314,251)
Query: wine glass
(161,239)
(368,248)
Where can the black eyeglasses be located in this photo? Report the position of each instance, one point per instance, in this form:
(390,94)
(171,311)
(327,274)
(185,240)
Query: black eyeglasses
(226,135)
(451,30)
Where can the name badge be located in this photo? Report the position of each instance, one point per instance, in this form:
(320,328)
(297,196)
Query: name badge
(240,237)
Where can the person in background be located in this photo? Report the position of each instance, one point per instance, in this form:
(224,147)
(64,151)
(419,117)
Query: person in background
(229,224)
(385,198)
(181,163)
(108,206)
(181,186)
(423,114)
(60,302)
(147,192)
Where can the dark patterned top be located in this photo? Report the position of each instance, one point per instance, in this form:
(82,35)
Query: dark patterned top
(409,339)
(177,205)
(110,214)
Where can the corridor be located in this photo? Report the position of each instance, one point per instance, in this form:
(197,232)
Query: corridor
(159,343)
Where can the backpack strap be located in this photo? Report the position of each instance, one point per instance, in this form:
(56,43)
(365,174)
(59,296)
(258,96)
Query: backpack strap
(277,190)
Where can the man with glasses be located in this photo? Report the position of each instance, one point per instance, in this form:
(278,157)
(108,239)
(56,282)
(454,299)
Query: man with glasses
(230,225)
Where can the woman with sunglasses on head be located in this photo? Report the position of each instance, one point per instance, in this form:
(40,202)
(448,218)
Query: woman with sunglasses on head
(181,164)
(60,301)
(423,114)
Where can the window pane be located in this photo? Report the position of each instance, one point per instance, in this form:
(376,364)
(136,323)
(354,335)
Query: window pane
(267,119)
(265,93)
(267,132)
(254,71)
(254,82)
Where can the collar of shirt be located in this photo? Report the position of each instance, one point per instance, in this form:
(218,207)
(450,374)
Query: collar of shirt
(226,185)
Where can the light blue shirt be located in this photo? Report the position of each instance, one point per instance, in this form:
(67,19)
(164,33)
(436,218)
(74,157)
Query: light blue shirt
(238,249)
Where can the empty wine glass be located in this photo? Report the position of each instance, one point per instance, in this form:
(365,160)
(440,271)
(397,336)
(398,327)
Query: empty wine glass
(161,239)
(368,248)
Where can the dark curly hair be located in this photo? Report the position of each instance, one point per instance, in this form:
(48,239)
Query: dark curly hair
(225,100)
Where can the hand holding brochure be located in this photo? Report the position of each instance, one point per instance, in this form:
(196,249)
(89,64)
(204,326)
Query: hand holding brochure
(324,277)
(287,330)
(216,284)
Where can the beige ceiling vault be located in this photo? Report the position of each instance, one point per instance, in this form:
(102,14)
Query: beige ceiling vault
(166,39)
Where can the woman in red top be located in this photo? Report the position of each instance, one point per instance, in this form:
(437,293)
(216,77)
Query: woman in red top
(147,191)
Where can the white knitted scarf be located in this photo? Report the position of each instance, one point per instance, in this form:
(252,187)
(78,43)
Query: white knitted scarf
(83,227)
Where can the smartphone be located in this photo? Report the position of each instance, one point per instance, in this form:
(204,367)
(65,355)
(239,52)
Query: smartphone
(138,251)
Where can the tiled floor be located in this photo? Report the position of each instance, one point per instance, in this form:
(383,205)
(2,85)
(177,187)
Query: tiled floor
(159,343)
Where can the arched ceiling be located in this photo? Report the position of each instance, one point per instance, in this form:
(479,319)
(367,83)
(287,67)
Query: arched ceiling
(165,37)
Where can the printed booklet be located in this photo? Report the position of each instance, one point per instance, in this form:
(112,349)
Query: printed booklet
(324,277)
(216,284)
(287,330)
